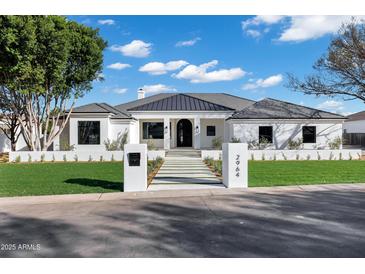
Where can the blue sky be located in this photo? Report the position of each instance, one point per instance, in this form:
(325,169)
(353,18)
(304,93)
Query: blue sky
(247,56)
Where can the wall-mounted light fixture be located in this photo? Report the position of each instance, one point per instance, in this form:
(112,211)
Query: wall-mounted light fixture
(166,129)
(197,129)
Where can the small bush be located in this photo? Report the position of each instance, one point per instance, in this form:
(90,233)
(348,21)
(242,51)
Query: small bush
(295,144)
(53,158)
(17,159)
(29,158)
(335,143)
(274,157)
(235,140)
(217,167)
(308,157)
(64,158)
(42,157)
(76,158)
(263,157)
(217,143)
(331,156)
(101,158)
(284,156)
(90,158)
(151,145)
(209,161)
(67,147)
(297,157)
(350,156)
(318,156)
(112,159)
(340,157)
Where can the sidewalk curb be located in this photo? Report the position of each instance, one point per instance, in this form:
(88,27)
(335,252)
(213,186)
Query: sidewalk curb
(96,197)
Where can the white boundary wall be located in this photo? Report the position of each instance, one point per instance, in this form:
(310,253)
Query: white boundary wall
(309,154)
(73,156)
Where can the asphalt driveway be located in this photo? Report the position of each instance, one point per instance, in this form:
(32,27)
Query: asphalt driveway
(309,221)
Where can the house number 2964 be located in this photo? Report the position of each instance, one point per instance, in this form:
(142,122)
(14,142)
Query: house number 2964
(237,165)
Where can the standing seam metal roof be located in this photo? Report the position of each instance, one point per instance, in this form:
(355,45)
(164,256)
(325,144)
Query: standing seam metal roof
(180,102)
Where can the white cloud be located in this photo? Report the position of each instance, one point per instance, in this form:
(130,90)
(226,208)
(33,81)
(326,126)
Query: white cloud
(261,19)
(119,66)
(199,74)
(119,90)
(158,68)
(331,105)
(157,88)
(311,27)
(106,22)
(263,83)
(253,33)
(137,48)
(188,43)
(297,28)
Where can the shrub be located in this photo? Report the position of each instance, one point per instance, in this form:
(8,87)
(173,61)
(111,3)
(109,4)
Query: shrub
(117,144)
(295,144)
(67,147)
(17,159)
(112,159)
(331,156)
(42,157)
(53,158)
(217,143)
(209,161)
(29,158)
(64,158)
(217,167)
(235,140)
(101,158)
(297,157)
(350,156)
(308,157)
(274,157)
(340,157)
(335,143)
(90,158)
(318,156)
(263,157)
(76,158)
(151,145)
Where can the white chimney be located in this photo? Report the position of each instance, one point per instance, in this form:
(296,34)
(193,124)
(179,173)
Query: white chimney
(141,93)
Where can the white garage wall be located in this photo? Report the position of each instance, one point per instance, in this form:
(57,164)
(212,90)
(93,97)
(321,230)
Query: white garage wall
(283,131)
(354,126)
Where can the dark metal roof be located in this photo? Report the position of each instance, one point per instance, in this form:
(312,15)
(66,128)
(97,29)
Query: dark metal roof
(102,108)
(223,99)
(356,116)
(180,102)
(276,109)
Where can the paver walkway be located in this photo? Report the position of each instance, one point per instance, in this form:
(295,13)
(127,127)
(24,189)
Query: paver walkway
(184,169)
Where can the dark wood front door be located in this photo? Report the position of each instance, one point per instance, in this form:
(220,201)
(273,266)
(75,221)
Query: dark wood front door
(184,133)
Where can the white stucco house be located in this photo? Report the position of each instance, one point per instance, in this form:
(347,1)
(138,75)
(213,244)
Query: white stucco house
(174,120)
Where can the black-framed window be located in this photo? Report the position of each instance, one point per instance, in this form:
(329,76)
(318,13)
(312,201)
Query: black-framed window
(89,132)
(153,130)
(309,134)
(265,134)
(210,130)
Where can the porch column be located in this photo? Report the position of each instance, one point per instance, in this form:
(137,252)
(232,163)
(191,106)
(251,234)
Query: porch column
(197,131)
(166,135)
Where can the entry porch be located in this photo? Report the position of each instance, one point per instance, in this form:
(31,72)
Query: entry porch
(182,131)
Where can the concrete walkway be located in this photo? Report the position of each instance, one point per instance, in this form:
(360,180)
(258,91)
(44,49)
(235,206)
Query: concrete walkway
(184,169)
(297,221)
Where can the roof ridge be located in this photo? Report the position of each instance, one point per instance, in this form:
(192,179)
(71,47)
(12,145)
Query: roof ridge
(130,102)
(204,100)
(301,106)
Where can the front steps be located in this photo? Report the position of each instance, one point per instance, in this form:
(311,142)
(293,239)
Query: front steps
(184,169)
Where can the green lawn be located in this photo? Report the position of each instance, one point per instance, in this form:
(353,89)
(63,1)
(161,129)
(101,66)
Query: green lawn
(60,178)
(283,173)
(67,178)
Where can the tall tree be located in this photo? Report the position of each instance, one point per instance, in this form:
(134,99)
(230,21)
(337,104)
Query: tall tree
(341,71)
(46,64)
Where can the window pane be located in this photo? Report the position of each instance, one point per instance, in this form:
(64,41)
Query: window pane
(210,130)
(89,132)
(309,134)
(152,130)
(265,133)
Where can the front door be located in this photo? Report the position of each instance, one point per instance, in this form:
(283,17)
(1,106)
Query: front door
(184,133)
